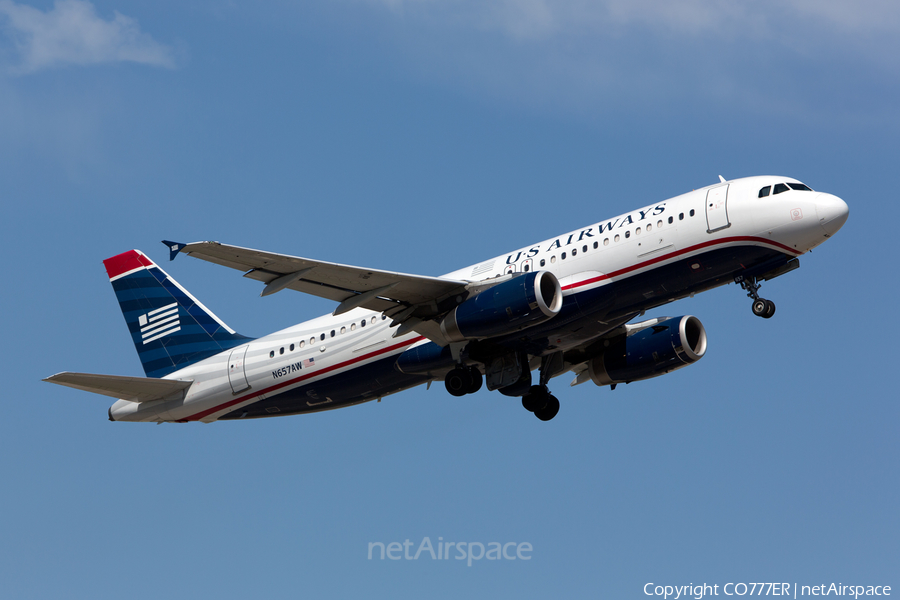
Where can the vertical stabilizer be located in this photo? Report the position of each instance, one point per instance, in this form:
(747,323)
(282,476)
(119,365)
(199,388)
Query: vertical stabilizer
(170,328)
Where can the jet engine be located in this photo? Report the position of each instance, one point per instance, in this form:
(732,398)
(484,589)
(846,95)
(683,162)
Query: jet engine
(653,350)
(507,307)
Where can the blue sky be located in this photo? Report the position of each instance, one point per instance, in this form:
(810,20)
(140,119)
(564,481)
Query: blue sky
(422,136)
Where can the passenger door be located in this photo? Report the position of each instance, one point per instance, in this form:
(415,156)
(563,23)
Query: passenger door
(717,208)
(237,377)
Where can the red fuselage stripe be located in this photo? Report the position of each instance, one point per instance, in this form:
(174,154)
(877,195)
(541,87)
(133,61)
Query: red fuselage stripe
(623,271)
(322,371)
(652,261)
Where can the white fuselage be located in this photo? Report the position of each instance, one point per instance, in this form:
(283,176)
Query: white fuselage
(690,225)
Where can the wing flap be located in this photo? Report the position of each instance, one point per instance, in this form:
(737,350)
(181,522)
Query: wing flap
(133,389)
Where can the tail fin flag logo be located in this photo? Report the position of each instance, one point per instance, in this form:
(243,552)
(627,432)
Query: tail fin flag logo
(159,323)
(157,309)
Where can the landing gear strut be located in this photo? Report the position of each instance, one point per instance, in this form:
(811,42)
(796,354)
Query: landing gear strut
(463,380)
(761,307)
(539,400)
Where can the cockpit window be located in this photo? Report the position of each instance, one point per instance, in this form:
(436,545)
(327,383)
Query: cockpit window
(799,187)
(765,191)
(779,188)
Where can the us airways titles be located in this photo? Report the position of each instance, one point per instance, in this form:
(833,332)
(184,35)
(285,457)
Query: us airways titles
(618,223)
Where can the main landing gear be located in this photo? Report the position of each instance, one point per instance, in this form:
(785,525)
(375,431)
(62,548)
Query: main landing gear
(463,380)
(541,402)
(761,307)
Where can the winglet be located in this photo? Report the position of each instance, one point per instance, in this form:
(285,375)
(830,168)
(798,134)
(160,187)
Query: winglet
(174,248)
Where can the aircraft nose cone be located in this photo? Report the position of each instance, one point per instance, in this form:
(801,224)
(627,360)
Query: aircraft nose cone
(832,212)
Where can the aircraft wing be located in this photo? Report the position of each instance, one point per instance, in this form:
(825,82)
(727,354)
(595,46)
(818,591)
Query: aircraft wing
(133,389)
(398,295)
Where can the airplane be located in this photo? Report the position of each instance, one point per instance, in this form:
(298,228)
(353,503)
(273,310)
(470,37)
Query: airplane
(564,305)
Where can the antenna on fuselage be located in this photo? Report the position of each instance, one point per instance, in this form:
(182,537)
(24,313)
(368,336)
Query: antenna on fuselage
(722,179)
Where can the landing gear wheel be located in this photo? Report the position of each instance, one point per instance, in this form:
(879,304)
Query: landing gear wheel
(536,398)
(541,402)
(477,379)
(763,308)
(760,307)
(550,409)
(458,382)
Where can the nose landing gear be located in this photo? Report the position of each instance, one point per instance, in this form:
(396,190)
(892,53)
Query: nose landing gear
(761,307)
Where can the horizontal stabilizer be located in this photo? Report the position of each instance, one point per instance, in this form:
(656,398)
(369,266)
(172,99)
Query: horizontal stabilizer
(133,389)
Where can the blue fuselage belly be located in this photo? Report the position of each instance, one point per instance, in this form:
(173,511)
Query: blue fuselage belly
(364,383)
(581,311)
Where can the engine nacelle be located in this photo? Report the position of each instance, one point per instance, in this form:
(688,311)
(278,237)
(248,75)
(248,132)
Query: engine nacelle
(507,307)
(651,351)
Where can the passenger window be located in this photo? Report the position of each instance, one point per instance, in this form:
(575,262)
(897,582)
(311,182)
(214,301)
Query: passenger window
(525,269)
(637,231)
(292,347)
(322,337)
(596,245)
(659,224)
(343,330)
(563,256)
(362,323)
(692,212)
(272,354)
(671,219)
(543,262)
(627,234)
(552,259)
(616,239)
(312,341)
(574,251)
(606,241)
(765,191)
(649,227)
(584,248)
(302,343)
(779,188)
(681,216)
(281,350)
(332,333)
(352,326)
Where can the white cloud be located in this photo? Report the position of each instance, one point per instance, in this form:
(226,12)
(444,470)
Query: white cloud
(72,33)
(806,58)
(540,19)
